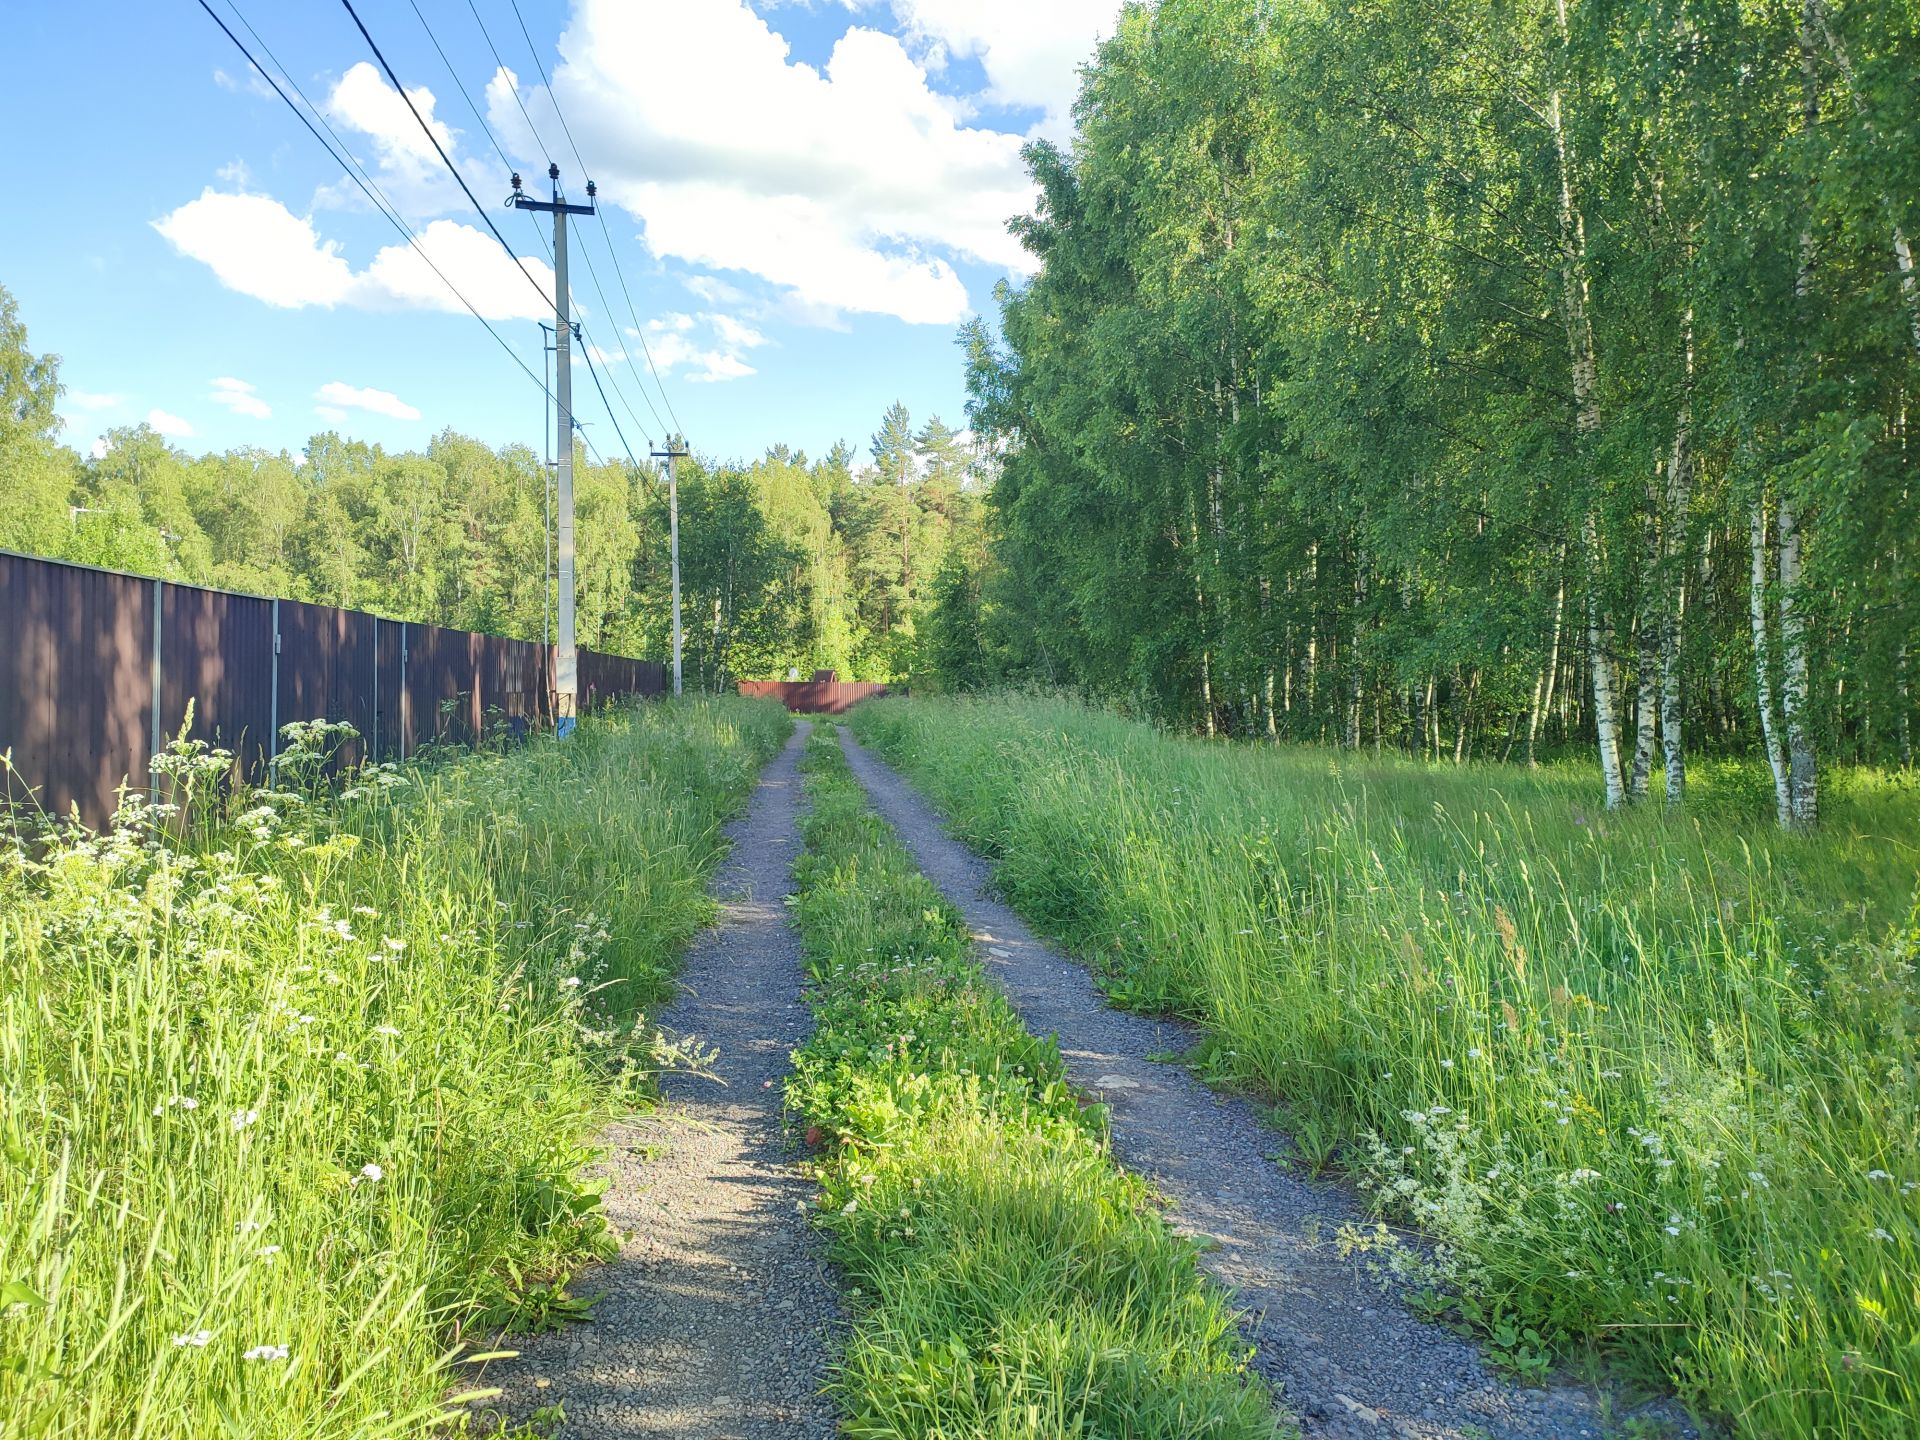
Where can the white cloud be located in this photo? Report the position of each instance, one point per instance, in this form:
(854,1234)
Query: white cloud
(98,450)
(1031,52)
(853,188)
(169,425)
(675,343)
(252,83)
(405,165)
(88,401)
(339,395)
(239,397)
(330,412)
(255,245)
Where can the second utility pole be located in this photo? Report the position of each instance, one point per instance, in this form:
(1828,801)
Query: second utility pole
(566,657)
(676,449)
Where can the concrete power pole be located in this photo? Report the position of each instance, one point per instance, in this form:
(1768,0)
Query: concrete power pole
(566,659)
(675,450)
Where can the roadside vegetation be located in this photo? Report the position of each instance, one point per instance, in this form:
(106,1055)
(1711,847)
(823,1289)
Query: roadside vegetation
(1649,1078)
(294,1104)
(1005,1277)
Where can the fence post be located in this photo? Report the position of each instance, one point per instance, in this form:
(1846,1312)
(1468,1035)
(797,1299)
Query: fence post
(373,749)
(273,703)
(153,735)
(406,704)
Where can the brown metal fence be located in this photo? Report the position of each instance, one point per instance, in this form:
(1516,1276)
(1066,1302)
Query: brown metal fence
(91,686)
(814,697)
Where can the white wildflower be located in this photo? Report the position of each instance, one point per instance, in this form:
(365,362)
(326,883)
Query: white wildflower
(196,1338)
(266,1352)
(371,1171)
(243,1118)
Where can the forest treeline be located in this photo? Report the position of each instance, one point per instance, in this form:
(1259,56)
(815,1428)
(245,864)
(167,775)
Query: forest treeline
(1473,379)
(785,562)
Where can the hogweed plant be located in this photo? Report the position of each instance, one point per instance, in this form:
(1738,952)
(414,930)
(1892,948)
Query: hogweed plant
(296,1085)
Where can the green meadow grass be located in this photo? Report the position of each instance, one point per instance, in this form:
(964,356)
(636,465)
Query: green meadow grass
(1006,1278)
(1649,1078)
(293,1109)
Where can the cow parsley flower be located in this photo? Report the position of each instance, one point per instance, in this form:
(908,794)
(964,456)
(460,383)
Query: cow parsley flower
(197,1339)
(243,1118)
(266,1352)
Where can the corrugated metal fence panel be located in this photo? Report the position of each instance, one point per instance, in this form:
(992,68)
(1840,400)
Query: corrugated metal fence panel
(813,697)
(76,691)
(609,677)
(216,652)
(326,668)
(77,668)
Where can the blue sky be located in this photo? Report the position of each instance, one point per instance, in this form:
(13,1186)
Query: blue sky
(806,199)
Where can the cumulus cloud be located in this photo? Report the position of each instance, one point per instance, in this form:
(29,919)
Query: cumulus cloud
(853,188)
(239,397)
(705,349)
(405,165)
(255,245)
(169,425)
(338,397)
(1031,53)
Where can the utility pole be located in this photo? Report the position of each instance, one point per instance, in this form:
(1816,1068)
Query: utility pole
(675,450)
(566,660)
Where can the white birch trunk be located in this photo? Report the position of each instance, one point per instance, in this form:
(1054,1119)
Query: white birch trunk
(1803,787)
(1586,397)
(1763,665)
(1679,495)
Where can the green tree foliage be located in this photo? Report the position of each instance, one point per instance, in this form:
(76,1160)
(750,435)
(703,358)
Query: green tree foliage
(1475,380)
(786,563)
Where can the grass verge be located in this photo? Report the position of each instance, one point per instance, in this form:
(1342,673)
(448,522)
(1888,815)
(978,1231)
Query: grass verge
(1649,1077)
(1007,1278)
(293,1109)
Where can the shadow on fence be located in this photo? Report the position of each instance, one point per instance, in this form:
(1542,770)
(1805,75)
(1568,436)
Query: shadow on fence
(97,669)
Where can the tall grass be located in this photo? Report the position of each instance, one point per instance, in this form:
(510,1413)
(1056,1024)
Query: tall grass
(1007,1279)
(1649,1077)
(293,1110)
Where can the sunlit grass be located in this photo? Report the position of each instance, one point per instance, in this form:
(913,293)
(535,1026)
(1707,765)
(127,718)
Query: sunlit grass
(1651,1077)
(1007,1279)
(293,1110)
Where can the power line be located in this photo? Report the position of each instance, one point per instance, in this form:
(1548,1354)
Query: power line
(440,150)
(547,249)
(367,187)
(639,330)
(593,370)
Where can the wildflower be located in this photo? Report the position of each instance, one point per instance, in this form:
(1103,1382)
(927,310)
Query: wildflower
(1757,1178)
(266,1352)
(196,1338)
(247,1227)
(267,1252)
(572,982)
(243,1118)
(1473,1053)
(371,1171)
(1583,1174)
(396,946)
(850,1207)
(386,1030)
(1673,1229)
(1446,1064)
(1878,1175)
(1879,1234)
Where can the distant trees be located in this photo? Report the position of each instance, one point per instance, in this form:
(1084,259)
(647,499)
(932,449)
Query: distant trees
(786,563)
(1475,379)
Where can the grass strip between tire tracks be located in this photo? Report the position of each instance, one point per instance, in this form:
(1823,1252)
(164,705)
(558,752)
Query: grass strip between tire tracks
(1006,1277)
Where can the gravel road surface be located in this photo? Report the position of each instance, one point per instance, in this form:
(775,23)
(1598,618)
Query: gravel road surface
(717,1310)
(1349,1358)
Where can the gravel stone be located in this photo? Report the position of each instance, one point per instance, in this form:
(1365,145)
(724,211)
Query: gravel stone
(1347,1365)
(718,1314)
